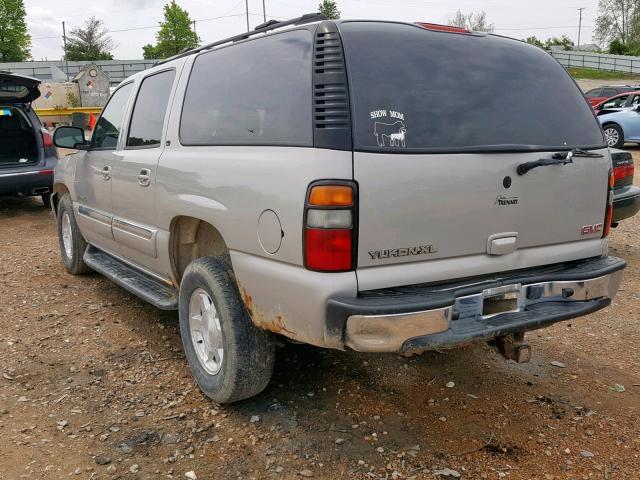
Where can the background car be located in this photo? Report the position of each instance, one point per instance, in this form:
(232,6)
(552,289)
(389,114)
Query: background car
(600,94)
(626,196)
(621,126)
(618,102)
(27,154)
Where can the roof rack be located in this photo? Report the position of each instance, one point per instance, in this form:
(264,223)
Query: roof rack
(262,28)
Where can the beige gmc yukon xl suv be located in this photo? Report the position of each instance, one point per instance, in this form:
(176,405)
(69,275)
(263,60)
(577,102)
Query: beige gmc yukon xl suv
(375,186)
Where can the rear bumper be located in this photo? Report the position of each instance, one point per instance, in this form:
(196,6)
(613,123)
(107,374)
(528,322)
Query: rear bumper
(626,203)
(424,317)
(28,181)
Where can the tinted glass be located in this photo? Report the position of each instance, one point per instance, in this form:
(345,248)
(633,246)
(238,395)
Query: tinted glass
(254,93)
(595,93)
(610,92)
(110,123)
(150,109)
(415,89)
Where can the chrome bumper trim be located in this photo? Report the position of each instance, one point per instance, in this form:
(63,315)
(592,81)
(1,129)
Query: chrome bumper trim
(388,333)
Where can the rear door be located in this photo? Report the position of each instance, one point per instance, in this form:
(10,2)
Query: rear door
(441,123)
(134,172)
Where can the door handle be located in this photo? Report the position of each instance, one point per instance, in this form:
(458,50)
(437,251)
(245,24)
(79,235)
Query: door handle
(144,177)
(106,173)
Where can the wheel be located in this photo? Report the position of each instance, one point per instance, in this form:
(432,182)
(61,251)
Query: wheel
(46,200)
(72,243)
(613,135)
(230,358)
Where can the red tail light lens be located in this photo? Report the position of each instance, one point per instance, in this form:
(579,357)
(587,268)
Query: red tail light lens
(47,139)
(623,172)
(608,217)
(442,28)
(328,250)
(330,227)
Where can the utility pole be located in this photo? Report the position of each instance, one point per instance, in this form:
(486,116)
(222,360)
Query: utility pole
(580,25)
(264,11)
(247,5)
(64,41)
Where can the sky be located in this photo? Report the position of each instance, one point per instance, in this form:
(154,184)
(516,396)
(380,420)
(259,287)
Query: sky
(134,23)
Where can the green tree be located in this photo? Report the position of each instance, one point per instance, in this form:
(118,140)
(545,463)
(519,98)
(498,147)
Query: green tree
(533,40)
(176,34)
(91,42)
(476,22)
(565,42)
(616,47)
(329,9)
(618,20)
(14,37)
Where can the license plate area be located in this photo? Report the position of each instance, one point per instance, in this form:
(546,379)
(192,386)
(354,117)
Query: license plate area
(500,300)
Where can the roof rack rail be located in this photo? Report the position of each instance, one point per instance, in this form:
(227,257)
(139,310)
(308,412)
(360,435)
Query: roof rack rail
(262,28)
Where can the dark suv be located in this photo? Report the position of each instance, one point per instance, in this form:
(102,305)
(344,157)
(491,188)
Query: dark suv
(27,154)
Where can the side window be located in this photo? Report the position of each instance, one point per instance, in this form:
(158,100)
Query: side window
(616,102)
(110,123)
(253,93)
(609,92)
(595,93)
(150,109)
(636,101)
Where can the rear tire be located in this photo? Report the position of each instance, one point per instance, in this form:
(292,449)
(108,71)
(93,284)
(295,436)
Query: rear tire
(230,358)
(614,135)
(72,243)
(46,200)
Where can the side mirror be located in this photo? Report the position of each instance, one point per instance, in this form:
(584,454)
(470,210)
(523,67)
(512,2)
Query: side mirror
(70,137)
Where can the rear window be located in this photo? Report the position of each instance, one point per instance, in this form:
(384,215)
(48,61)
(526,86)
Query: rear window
(418,90)
(253,93)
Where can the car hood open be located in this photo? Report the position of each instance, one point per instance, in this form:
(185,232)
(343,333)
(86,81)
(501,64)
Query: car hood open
(16,88)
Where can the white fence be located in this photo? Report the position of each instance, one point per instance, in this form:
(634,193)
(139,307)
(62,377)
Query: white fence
(598,61)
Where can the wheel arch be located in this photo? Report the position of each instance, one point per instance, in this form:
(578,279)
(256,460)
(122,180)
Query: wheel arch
(59,189)
(191,238)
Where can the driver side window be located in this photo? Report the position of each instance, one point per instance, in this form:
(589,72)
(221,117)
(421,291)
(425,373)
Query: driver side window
(107,131)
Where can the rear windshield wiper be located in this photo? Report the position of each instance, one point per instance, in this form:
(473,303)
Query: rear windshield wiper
(559,158)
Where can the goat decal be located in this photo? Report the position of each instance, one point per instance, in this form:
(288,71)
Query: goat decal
(395,132)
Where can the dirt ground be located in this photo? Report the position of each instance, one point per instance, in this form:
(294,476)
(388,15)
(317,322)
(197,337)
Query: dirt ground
(95,386)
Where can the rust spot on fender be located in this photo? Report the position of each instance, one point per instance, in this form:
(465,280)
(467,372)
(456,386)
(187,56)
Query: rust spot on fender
(276,324)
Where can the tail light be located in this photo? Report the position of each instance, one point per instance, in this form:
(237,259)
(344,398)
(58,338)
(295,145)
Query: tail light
(609,215)
(47,143)
(330,226)
(442,28)
(624,171)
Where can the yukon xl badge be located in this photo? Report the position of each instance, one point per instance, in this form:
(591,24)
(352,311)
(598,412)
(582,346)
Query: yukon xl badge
(402,252)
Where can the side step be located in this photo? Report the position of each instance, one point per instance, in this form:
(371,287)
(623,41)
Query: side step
(140,284)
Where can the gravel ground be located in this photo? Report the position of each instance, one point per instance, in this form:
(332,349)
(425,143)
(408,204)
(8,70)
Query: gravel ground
(95,386)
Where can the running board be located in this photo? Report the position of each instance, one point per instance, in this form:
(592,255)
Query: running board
(140,284)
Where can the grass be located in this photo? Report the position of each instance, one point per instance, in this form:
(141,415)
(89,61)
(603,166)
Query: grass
(591,74)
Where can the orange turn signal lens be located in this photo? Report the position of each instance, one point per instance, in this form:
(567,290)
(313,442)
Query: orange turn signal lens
(331,196)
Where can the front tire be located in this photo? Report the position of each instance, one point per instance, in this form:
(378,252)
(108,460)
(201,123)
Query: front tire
(614,135)
(230,358)
(72,243)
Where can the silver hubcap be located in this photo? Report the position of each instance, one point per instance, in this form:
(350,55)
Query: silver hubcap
(67,236)
(206,332)
(612,136)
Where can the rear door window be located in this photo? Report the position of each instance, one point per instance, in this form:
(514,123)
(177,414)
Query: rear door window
(253,93)
(610,92)
(417,90)
(594,93)
(150,109)
(107,131)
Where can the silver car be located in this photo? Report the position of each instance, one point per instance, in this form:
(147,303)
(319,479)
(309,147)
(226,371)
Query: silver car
(365,185)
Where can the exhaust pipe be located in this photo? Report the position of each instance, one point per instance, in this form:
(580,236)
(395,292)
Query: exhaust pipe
(40,190)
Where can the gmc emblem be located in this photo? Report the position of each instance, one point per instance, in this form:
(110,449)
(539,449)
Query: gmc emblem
(591,229)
